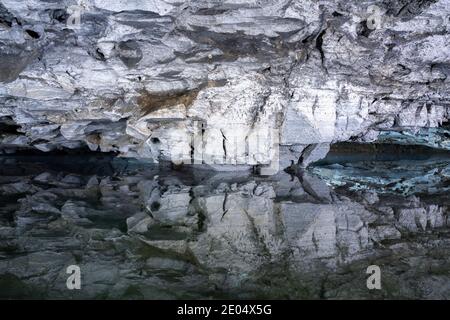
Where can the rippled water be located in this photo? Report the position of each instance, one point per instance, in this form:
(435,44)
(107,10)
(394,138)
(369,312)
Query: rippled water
(138,231)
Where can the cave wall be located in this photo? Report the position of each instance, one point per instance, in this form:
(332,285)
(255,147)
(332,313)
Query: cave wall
(201,81)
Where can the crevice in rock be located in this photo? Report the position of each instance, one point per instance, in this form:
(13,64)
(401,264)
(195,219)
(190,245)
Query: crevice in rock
(9,126)
(59,15)
(32,34)
(319,44)
(224,145)
(363,29)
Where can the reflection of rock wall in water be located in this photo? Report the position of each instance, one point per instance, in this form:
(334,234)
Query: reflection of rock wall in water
(168,236)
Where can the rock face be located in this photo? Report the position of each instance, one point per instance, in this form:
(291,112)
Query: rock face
(219,82)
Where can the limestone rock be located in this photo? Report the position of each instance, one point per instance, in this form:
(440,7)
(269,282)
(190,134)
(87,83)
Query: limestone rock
(197,82)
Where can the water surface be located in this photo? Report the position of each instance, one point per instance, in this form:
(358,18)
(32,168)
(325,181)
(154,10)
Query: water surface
(138,231)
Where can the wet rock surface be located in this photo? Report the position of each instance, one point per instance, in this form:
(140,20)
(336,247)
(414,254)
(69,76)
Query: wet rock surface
(139,231)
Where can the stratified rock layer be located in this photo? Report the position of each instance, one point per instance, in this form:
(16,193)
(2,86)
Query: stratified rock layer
(183,81)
